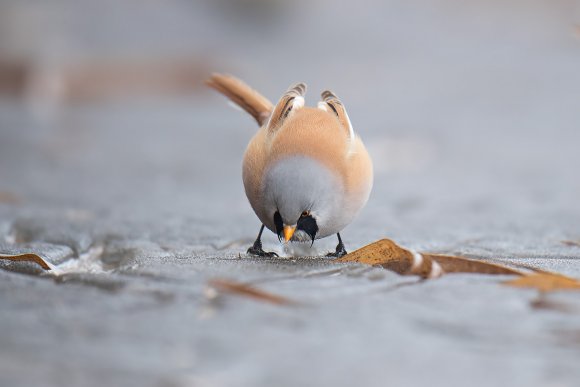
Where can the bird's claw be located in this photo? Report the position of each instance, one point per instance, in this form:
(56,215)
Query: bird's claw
(339,253)
(259,252)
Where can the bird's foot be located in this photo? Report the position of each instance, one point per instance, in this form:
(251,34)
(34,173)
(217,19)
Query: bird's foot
(259,252)
(339,253)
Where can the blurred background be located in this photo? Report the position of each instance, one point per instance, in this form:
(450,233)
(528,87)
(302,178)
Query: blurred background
(472,108)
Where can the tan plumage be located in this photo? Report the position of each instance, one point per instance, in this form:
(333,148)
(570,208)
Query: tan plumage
(302,160)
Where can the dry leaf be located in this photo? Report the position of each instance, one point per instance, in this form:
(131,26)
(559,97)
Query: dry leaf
(545,282)
(541,303)
(28,257)
(571,243)
(452,264)
(242,289)
(391,256)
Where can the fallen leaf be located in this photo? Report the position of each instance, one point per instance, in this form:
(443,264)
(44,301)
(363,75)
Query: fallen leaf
(242,289)
(29,257)
(391,256)
(453,264)
(571,243)
(541,303)
(379,253)
(545,282)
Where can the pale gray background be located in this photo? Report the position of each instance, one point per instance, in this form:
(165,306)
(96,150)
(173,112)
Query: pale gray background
(471,112)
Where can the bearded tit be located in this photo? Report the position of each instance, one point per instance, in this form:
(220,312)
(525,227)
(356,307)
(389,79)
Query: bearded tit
(306,173)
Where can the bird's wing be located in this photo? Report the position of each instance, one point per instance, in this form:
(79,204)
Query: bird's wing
(293,98)
(331,103)
(242,95)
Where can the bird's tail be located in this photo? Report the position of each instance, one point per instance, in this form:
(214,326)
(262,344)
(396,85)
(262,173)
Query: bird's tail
(242,95)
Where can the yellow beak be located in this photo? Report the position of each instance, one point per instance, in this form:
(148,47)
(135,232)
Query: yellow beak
(288,232)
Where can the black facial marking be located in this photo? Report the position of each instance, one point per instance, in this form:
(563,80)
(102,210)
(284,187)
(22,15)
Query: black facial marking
(308,225)
(279,225)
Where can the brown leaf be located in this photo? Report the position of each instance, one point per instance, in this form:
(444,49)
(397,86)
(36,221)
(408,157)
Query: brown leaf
(452,264)
(28,257)
(242,289)
(572,243)
(378,253)
(391,256)
(545,282)
(541,303)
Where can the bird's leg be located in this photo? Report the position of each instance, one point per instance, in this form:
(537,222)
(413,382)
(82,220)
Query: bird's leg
(340,250)
(256,248)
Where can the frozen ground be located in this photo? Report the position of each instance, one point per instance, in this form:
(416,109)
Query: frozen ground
(472,116)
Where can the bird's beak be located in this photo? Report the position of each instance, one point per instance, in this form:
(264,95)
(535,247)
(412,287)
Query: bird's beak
(288,232)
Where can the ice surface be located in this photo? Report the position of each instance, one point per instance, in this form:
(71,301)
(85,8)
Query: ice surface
(470,112)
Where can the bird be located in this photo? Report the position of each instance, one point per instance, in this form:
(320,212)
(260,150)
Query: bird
(306,173)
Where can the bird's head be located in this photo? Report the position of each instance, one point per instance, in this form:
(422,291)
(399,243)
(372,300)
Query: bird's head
(304,229)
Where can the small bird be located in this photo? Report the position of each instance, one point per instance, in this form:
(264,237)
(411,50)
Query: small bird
(305,172)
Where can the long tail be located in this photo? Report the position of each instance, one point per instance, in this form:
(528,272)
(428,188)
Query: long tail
(242,95)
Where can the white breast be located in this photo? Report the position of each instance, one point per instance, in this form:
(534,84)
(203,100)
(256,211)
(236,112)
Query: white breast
(298,183)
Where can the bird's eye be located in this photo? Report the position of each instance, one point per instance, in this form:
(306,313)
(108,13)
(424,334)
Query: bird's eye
(305,214)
